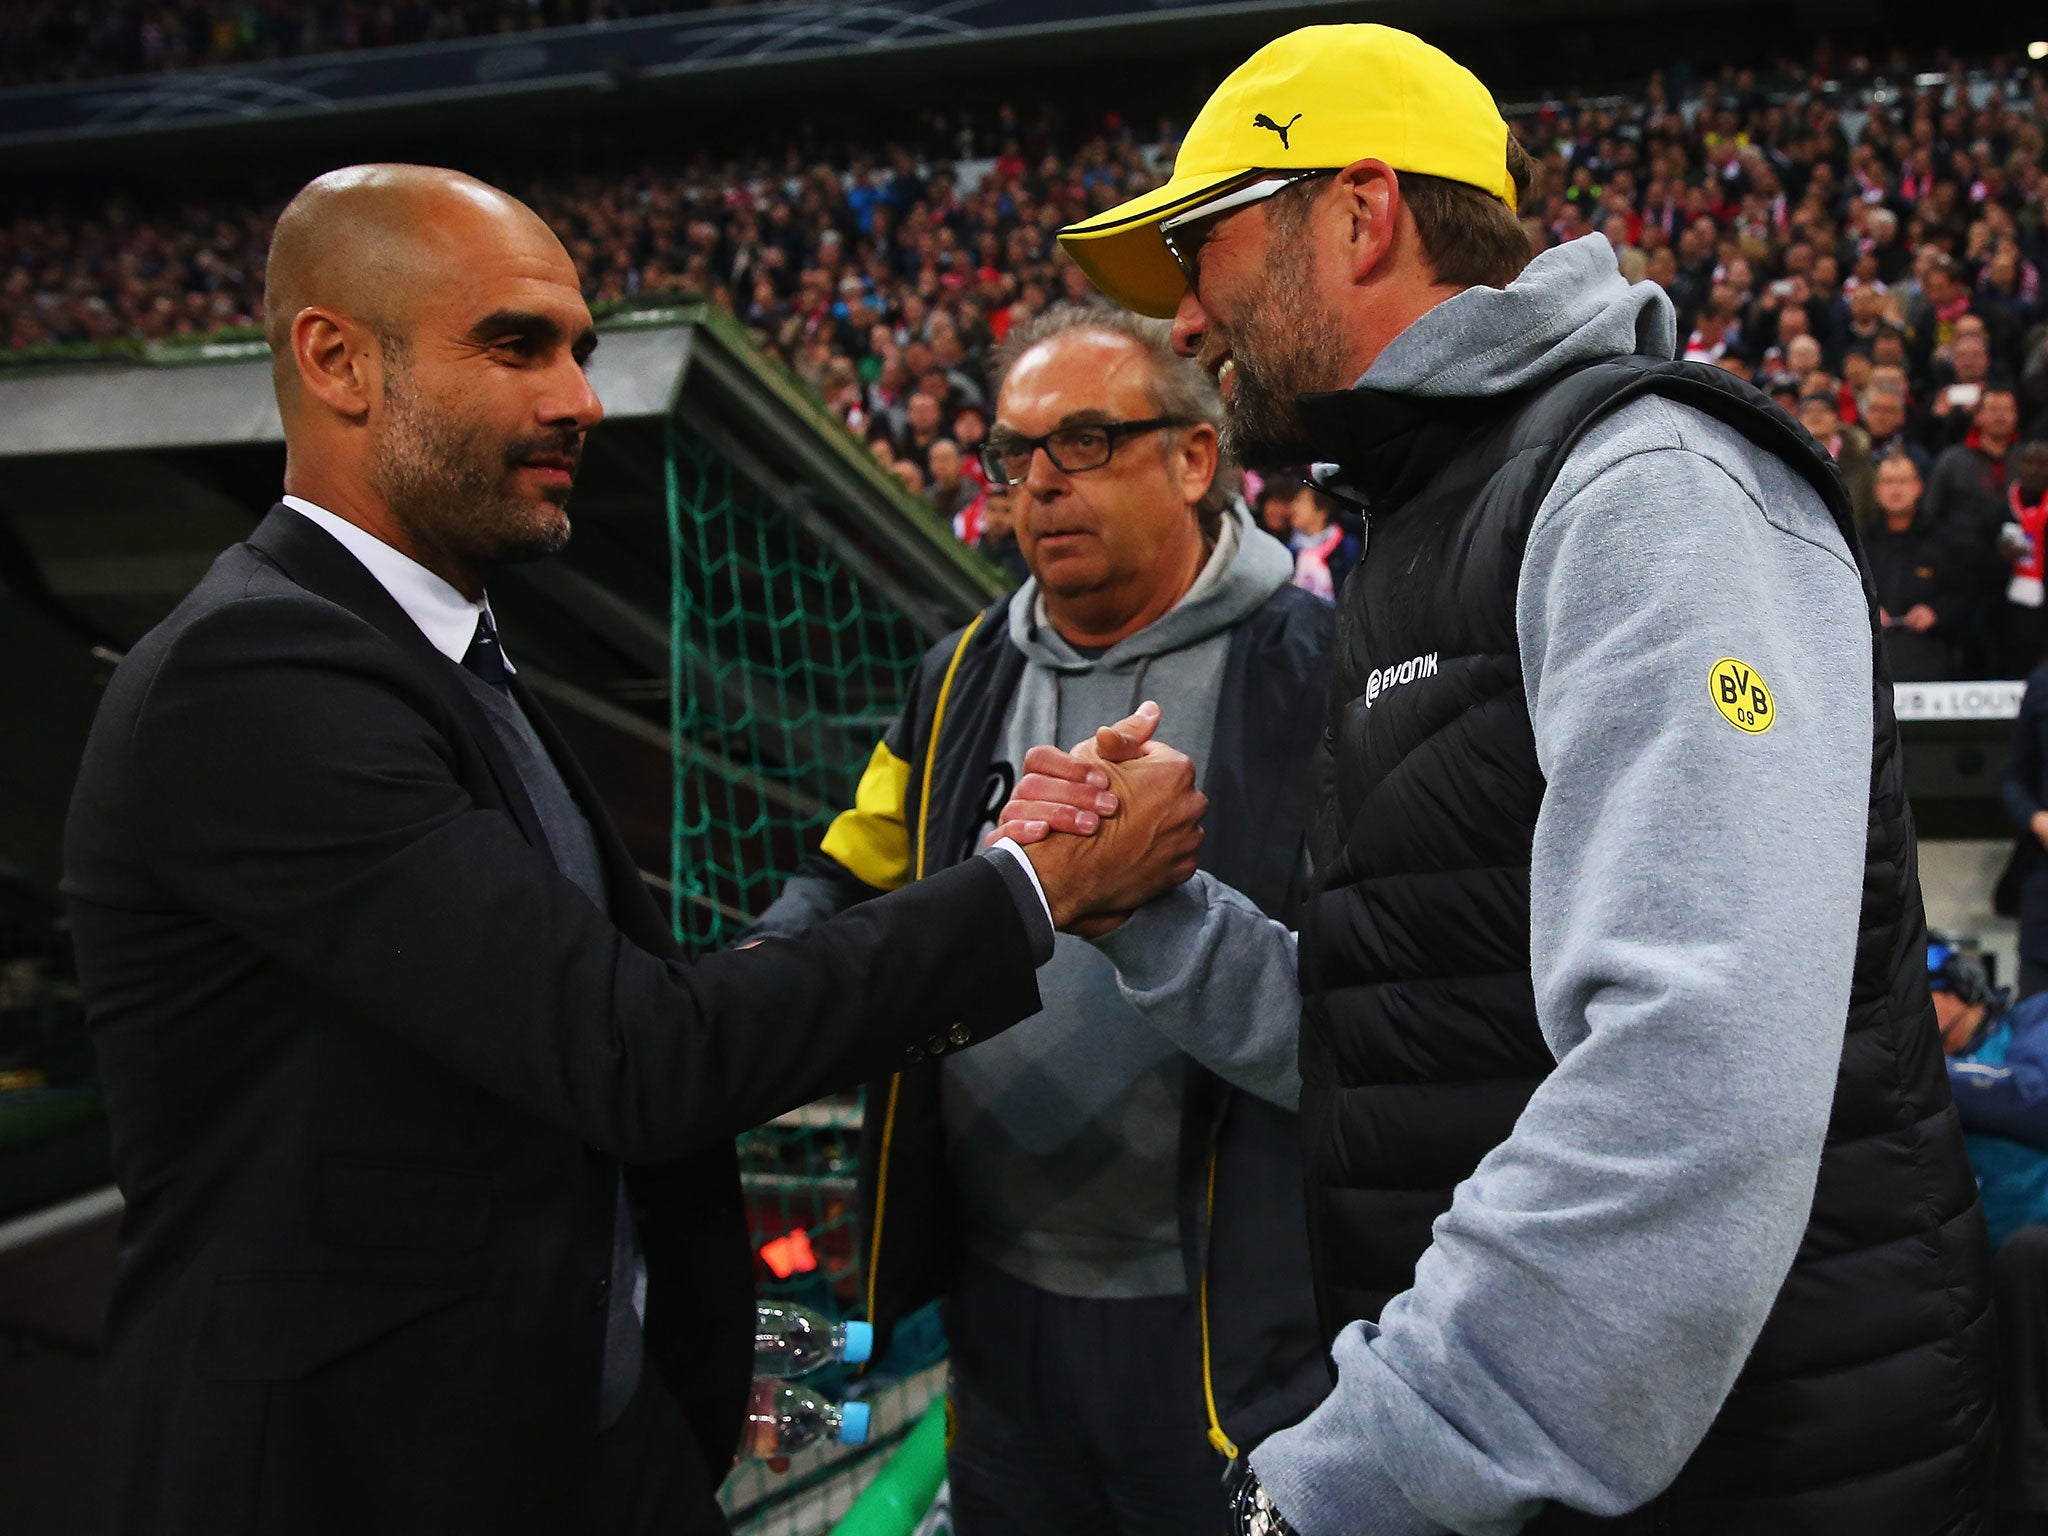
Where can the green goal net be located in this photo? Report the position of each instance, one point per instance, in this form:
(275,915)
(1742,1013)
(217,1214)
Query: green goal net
(785,669)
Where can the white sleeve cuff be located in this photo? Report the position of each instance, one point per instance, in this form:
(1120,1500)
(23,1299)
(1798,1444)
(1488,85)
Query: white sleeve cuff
(1010,846)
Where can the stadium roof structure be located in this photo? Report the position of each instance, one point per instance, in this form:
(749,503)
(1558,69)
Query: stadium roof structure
(723,52)
(702,48)
(692,363)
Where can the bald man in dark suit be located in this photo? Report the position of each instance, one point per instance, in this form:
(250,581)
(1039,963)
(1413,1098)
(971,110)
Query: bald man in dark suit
(424,1125)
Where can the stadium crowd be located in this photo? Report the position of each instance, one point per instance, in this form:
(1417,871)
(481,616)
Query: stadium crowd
(1872,256)
(50,41)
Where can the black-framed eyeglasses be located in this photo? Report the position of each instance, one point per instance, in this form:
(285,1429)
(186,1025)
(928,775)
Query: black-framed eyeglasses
(1184,233)
(1007,455)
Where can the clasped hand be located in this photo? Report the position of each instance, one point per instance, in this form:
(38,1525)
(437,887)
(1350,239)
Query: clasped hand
(1109,825)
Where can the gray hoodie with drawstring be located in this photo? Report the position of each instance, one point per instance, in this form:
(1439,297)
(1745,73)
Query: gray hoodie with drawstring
(1063,1134)
(1590,1296)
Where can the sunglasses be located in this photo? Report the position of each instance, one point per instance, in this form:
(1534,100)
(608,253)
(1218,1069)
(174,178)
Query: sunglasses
(1184,233)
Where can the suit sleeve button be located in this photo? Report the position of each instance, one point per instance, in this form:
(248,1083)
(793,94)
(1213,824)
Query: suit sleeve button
(914,1055)
(959,1034)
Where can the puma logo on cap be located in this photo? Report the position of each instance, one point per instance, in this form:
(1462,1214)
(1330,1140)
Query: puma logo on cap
(1263,121)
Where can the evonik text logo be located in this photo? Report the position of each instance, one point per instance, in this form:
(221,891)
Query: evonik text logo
(1383,678)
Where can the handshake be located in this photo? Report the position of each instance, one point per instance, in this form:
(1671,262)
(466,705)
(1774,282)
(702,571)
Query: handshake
(1109,825)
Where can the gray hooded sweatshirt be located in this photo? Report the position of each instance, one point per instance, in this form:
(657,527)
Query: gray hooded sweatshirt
(1596,1285)
(1063,1133)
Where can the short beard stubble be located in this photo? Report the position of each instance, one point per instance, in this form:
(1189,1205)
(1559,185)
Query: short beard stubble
(449,484)
(1288,344)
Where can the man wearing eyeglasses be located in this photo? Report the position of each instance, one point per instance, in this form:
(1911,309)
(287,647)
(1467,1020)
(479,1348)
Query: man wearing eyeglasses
(1113,1214)
(1638,1199)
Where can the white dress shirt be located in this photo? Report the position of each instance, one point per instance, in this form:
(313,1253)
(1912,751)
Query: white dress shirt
(444,615)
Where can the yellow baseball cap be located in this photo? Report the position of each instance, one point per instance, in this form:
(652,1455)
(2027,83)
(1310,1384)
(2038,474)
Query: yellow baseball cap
(1316,99)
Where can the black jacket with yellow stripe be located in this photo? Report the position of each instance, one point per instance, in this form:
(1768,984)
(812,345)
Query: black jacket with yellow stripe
(926,797)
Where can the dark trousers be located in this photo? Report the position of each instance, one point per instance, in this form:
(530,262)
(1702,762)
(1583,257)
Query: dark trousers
(649,1478)
(1077,1418)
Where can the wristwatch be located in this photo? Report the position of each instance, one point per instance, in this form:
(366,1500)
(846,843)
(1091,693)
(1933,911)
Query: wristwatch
(1252,1511)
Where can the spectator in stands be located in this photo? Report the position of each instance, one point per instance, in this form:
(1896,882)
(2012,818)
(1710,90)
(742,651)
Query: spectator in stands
(1931,319)
(1867,313)
(924,425)
(1714,332)
(1888,348)
(1783,388)
(1854,384)
(1998,1073)
(1041,1185)
(1966,499)
(1892,376)
(2023,541)
(1883,416)
(1969,479)
(1324,550)
(1803,358)
(2011,284)
(1790,322)
(1909,567)
(954,494)
(2034,380)
(1275,506)
(970,431)
(949,364)
(1846,445)
(1955,402)
(999,534)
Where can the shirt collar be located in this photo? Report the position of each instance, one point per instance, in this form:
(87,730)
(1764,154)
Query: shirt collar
(444,615)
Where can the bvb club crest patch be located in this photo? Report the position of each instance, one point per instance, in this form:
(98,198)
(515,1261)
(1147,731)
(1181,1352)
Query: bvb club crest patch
(1740,693)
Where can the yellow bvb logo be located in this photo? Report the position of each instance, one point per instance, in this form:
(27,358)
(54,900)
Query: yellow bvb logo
(1741,695)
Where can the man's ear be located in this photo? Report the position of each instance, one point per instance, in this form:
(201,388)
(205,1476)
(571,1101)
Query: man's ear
(338,360)
(1199,460)
(1369,199)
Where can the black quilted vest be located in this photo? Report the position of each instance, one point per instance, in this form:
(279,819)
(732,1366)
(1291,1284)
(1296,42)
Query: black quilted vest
(1865,1406)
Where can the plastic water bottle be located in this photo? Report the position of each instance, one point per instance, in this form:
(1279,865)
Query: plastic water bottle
(790,1340)
(783,1419)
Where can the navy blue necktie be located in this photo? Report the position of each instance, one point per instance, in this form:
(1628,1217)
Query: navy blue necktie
(486,658)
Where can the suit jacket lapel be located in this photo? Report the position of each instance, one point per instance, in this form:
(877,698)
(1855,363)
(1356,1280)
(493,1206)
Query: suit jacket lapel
(307,554)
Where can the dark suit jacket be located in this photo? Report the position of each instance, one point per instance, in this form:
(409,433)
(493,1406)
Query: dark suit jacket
(372,1065)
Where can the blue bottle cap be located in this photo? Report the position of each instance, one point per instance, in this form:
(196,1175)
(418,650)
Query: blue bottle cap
(860,1342)
(853,1423)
